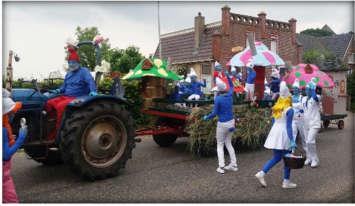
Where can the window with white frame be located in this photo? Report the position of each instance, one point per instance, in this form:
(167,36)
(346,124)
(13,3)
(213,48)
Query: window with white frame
(273,45)
(246,38)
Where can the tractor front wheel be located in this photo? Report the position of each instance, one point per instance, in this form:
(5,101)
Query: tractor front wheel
(98,140)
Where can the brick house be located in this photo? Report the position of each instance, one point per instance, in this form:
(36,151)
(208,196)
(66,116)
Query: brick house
(200,46)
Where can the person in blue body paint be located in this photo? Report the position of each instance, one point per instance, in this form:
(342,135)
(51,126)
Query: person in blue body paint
(280,138)
(312,122)
(275,84)
(181,92)
(78,82)
(298,121)
(250,82)
(223,108)
(195,86)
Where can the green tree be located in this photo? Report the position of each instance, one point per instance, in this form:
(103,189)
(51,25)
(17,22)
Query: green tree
(319,57)
(122,60)
(316,32)
(87,52)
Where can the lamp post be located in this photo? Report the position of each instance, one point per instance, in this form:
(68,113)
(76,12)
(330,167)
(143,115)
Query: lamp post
(9,70)
(159,32)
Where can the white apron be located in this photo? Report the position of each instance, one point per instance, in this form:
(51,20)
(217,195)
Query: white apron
(278,138)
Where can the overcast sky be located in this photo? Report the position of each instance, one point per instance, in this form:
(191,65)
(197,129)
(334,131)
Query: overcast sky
(37,31)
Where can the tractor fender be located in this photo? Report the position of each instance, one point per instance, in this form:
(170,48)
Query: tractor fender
(85,100)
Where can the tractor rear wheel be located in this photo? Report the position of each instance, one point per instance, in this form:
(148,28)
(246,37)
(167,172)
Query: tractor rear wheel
(97,140)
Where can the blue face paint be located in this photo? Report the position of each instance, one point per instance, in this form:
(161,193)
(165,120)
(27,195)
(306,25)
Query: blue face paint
(193,78)
(73,65)
(296,91)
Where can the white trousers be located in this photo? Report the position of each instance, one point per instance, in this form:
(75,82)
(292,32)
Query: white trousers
(311,134)
(194,97)
(224,137)
(250,90)
(298,128)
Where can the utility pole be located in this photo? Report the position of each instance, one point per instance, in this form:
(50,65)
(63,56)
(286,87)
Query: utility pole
(159,32)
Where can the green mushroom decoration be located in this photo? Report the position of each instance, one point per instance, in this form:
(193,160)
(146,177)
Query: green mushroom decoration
(153,67)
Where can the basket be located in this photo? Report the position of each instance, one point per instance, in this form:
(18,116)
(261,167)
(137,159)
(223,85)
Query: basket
(295,161)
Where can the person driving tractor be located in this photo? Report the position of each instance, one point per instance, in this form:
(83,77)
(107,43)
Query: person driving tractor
(78,82)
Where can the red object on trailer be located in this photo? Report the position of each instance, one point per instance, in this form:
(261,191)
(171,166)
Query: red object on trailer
(259,82)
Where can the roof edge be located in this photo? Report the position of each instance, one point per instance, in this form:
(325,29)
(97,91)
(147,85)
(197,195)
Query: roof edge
(185,31)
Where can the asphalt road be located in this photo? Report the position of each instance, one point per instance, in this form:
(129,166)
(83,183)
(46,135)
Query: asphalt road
(157,174)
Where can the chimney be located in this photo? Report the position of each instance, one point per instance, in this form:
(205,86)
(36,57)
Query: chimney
(262,23)
(199,29)
(216,45)
(226,20)
(293,29)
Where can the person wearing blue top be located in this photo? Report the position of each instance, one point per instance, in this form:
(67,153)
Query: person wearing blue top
(195,86)
(9,148)
(78,82)
(223,108)
(280,138)
(312,122)
(298,121)
(275,84)
(250,82)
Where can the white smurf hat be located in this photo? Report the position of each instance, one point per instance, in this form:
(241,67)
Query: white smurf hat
(71,41)
(7,103)
(192,72)
(275,73)
(221,86)
(296,84)
(284,91)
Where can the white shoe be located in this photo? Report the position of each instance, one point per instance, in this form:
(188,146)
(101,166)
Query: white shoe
(287,184)
(315,163)
(231,167)
(260,176)
(307,162)
(220,170)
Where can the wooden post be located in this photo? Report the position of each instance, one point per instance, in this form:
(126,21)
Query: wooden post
(9,73)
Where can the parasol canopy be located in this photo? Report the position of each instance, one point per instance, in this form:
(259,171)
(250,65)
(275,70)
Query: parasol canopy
(264,57)
(152,67)
(305,72)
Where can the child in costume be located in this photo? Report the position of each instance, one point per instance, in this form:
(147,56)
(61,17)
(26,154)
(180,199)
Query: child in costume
(218,73)
(275,84)
(195,86)
(10,146)
(78,82)
(250,82)
(223,108)
(280,138)
(298,122)
(312,122)
(236,78)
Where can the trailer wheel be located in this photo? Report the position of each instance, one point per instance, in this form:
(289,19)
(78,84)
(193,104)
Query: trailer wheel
(97,140)
(326,124)
(341,124)
(165,140)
